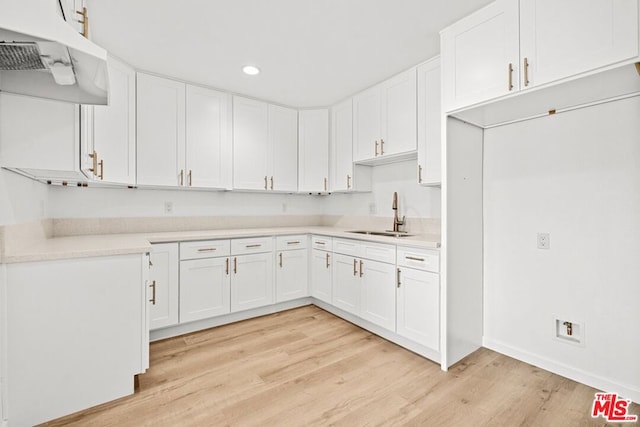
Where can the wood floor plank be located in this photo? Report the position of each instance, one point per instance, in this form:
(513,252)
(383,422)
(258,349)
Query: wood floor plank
(308,367)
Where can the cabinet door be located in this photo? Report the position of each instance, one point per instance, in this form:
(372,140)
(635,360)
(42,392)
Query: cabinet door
(283,143)
(163,276)
(321,266)
(398,101)
(250,150)
(418,299)
(563,38)
(429,123)
(208,146)
(346,283)
(113,128)
(161,131)
(341,147)
(367,124)
(478,54)
(313,150)
(378,293)
(204,288)
(292,271)
(252,283)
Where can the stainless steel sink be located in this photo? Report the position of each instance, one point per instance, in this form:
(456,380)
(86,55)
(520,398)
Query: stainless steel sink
(382,233)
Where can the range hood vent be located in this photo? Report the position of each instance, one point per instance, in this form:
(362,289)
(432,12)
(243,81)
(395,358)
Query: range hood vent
(43,56)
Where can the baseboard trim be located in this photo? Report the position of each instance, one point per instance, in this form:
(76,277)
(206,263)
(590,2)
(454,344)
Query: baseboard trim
(625,390)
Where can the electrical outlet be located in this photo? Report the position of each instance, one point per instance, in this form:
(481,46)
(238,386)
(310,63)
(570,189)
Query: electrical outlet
(168,208)
(372,208)
(544,241)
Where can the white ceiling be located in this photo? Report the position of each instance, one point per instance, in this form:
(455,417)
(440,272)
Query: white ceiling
(311,52)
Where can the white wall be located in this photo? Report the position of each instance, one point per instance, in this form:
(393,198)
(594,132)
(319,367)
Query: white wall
(414,200)
(21,199)
(575,175)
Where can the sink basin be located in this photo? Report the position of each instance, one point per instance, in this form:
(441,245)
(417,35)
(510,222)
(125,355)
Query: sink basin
(382,233)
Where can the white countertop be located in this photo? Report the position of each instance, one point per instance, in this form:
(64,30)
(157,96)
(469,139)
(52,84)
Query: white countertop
(121,244)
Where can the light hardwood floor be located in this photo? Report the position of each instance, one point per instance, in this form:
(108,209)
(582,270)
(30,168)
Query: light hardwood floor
(308,367)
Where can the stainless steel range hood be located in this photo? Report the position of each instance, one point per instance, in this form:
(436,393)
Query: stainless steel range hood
(43,56)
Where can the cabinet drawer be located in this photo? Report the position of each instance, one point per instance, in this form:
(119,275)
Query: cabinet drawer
(298,241)
(251,245)
(204,249)
(379,252)
(347,247)
(322,242)
(419,259)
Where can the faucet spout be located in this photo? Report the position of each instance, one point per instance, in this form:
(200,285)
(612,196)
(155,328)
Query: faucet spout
(396,220)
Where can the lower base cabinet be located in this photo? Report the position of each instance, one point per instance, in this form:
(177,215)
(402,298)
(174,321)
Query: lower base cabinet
(252,281)
(292,268)
(378,293)
(163,282)
(346,283)
(321,268)
(204,288)
(419,307)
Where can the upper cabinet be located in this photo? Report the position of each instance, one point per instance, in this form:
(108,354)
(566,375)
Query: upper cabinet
(384,119)
(510,46)
(343,170)
(183,136)
(559,39)
(109,132)
(313,151)
(429,123)
(265,146)
(480,55)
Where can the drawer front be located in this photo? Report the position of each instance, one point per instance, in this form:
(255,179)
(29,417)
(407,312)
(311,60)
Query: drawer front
(419,259)
(204,249)
(347,247)
(322,242)
(298,241)
(252,245)
(379,252)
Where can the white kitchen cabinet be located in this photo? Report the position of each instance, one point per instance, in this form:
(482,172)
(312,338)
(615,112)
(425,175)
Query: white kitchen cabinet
(252,281)
(313,151)
(163,282)
(562,39)
(418,306)
(345,176)
(321,272)
(70,9)
(75,342)
(108,132)
(161,131)
(265,146)
(480,56)
(378,293)
(292,272)
(384,118)
(429,123)
(204,288)
(208,140)
(346,283)
(182,135)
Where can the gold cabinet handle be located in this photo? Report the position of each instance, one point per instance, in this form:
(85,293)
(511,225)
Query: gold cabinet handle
(206,249)
(325,184)
(320,243)
(265,182)
(510,76)
(253,246)
(376,149)
(348,182)
(293,242)
(361,272)
(412,258)
(190,178)
(355,267)
(84,21)
(235,265)
(101,163)
(327,259)
(153,293)
(280,256)
(272,183)
(381,146)
(526,71)
(181,177)
(94,158)
(419,174)
(398,277)
(226,266)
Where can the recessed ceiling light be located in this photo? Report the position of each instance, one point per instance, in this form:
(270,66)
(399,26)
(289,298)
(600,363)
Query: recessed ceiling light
(250,70)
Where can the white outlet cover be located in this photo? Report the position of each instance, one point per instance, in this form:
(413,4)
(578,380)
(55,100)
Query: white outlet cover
(544,241)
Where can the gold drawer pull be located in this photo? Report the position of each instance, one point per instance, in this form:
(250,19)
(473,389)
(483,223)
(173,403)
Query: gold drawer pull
(153,293)
(293,242)
(206,249)
(412,258)
(254,246)
(226,266)
(235,265)
(361,272)
(526,71)
(355,267)
(510,77)
(320,243)
(381,146)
